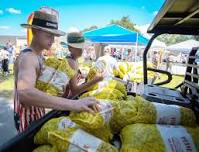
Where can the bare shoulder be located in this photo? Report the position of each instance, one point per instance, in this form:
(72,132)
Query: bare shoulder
(28,59)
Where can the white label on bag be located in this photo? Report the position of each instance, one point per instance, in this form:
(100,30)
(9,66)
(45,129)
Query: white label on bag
(66,123)
(167,114)
(176,139)
(81,141)
(59,80)
(46,74)
(107,110)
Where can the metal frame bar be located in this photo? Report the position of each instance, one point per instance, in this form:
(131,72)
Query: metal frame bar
(188,17)
(145,57)
(164,72)
(166,6)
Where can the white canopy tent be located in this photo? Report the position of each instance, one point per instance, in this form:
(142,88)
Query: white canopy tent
(183,47)
(158,44)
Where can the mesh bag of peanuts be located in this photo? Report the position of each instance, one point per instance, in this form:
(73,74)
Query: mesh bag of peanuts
(159,138)
(65,135)
(54,77)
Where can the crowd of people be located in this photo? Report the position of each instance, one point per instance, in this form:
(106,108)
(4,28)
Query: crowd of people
(157,60)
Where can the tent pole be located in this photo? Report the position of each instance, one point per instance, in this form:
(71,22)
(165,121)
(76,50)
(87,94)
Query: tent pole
(136,51)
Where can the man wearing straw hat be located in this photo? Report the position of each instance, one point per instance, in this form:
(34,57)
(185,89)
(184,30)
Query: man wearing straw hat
(29,102)
(76,43)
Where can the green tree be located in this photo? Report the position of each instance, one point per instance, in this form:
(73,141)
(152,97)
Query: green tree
(196,38)
(125,22)
(90,28)
(170,39)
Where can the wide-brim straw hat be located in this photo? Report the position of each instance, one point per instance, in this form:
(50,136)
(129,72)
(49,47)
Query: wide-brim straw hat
(45,22)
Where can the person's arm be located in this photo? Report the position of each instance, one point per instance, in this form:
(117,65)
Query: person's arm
(78,89)
(30,96)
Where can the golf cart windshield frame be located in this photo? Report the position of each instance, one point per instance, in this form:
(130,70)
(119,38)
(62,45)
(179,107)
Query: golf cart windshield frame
(174,17)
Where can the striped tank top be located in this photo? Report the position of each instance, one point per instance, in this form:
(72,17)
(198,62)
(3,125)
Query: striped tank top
(24,116)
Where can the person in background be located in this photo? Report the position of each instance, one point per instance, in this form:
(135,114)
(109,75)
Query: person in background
(155,60)
(169,63)
(76,41)
(10,49)
(1,50)
(5,61)
(93,55)
(111,62)
(86,54)
(130,54)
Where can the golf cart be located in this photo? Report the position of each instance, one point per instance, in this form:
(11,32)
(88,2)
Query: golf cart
(175,17)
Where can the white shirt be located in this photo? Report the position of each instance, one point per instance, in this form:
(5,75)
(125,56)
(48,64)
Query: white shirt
(4,54)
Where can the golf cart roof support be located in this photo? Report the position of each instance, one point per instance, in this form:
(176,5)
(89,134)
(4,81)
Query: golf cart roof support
(177,17)
(145,57)
(188,17)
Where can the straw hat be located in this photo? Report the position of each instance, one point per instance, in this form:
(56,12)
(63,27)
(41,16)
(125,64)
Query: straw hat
(45,22)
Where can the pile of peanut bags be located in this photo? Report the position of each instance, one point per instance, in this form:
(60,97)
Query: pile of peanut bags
(132,71)
(142,125)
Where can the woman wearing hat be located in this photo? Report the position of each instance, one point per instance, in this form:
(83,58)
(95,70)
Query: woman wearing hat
(29,102)
(75,45)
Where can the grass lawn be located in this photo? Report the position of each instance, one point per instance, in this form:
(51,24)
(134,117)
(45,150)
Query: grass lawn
(176,80)
(7,84)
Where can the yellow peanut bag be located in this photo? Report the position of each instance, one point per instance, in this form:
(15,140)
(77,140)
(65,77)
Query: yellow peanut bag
(65,124)
(95,121)
(98,67)
(114,115)
(61,123)
(151,112)
(159,138)
(96,124)
(78,140)
(103,133)
(45,148)
(105,93)
(55,75)
(139,110)
(125,113)
(112,84)
(65,135)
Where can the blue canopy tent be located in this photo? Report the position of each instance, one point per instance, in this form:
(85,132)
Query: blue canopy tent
(115,34)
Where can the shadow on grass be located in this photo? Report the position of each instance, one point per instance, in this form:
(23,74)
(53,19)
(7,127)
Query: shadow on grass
(6,86)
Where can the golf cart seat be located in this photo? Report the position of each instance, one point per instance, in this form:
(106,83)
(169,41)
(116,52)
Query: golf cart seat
(189,87)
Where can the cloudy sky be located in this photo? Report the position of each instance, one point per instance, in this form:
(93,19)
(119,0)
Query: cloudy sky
(78,13)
